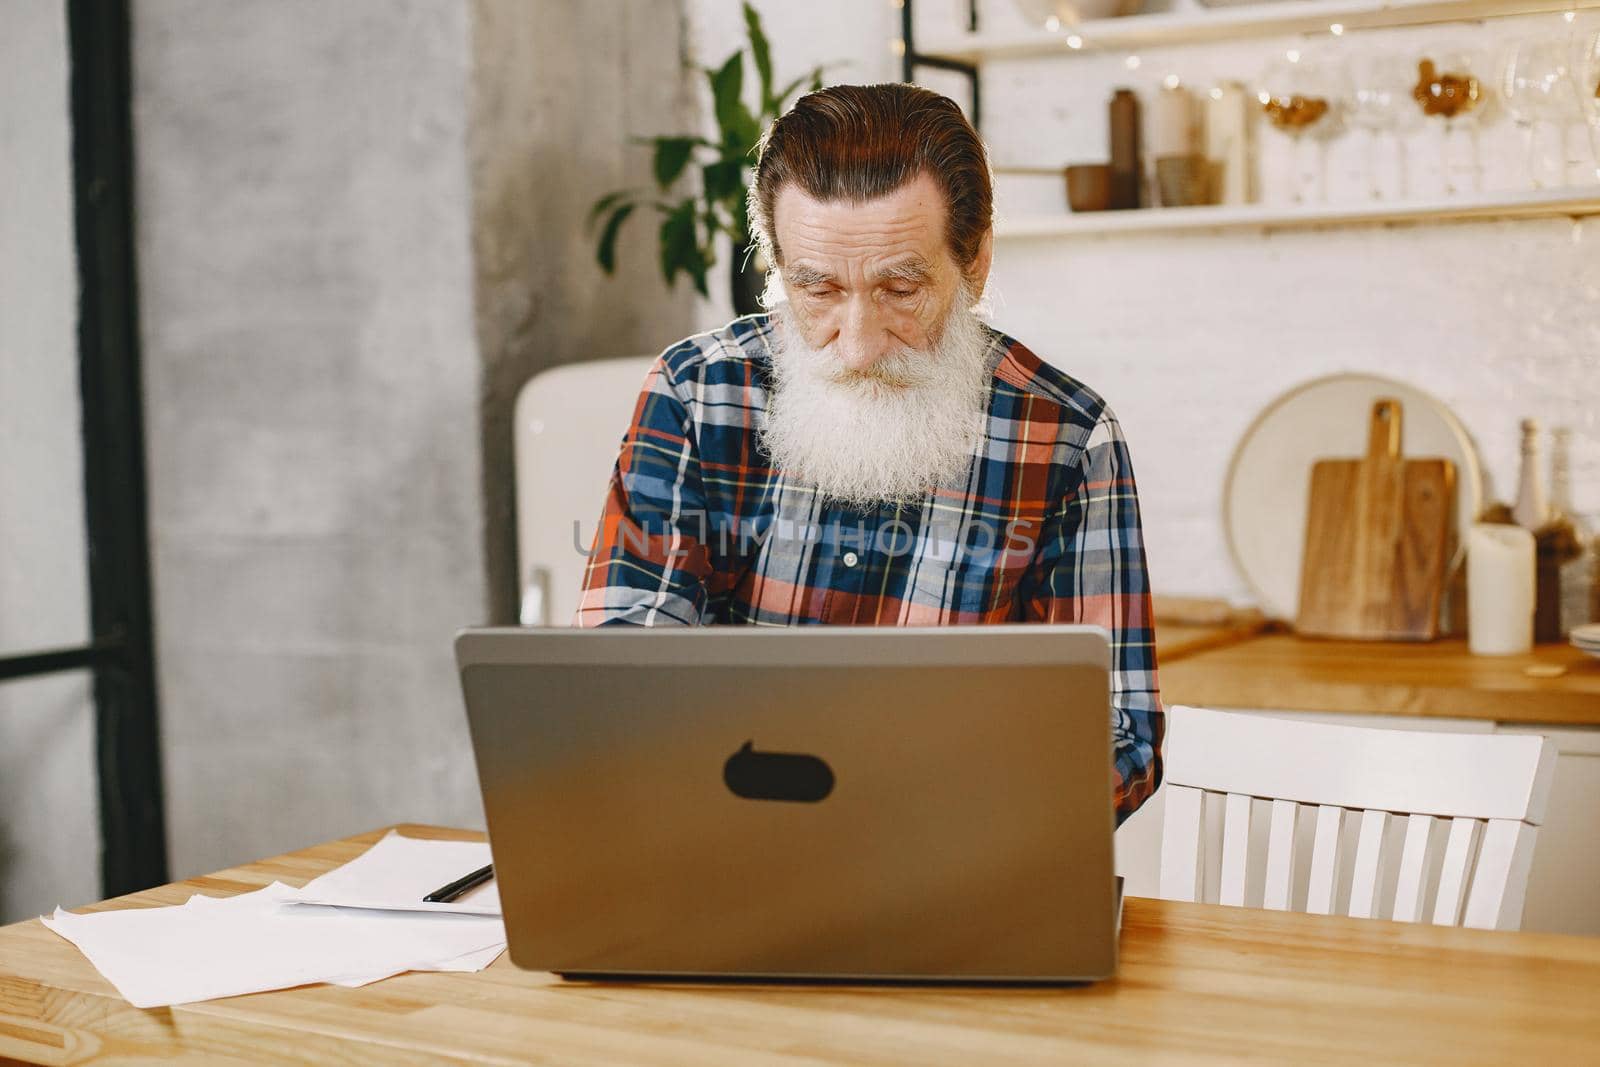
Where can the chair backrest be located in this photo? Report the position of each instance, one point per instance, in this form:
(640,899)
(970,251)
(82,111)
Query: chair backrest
(569,423)
(1480,796)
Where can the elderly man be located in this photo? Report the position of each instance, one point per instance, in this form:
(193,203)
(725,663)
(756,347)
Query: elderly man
(869,451)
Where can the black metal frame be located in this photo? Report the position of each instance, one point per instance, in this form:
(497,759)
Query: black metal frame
(911,59)
(121,654)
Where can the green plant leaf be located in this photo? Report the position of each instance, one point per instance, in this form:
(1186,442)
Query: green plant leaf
(672,155)
(762,53)
(720,207)
(727,84)
(605,203)
(739,142)
(697,271)
(723,179)
(679,249)
(606,252)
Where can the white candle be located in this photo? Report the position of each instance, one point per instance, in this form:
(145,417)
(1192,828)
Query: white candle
(1228,143)
(1500,589)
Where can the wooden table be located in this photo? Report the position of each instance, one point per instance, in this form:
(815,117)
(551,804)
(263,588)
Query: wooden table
(1435,679)
(1197,984)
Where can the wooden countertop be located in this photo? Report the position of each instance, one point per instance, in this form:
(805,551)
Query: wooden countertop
(1198,984)
(1187,625)
(1174,642)
(1277,670)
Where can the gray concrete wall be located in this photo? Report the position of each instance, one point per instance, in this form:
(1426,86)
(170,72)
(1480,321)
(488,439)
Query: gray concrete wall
(49,838)
(559,90)
(360,231)
(312,382)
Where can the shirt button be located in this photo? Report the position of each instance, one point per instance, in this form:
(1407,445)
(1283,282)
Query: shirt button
(851,559)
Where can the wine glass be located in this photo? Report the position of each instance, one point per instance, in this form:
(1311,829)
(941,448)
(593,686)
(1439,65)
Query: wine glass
(1378,102)
(1537,88)
(1449,89)
(1300,97)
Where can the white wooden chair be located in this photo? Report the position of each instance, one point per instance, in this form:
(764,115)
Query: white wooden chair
(569,424)
(1490,790)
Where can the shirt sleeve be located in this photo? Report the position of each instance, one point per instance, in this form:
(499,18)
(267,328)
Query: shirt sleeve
(1090,568)
(649,562)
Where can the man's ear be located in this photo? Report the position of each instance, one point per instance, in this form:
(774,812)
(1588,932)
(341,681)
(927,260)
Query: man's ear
(978,273)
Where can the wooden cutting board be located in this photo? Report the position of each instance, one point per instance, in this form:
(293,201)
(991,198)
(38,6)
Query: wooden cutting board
(1379,530)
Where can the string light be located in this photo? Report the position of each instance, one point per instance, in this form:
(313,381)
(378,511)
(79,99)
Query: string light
(1074,41)
(1132,62)
(1052,24)
(1337,29)
(1569,15)
(1171,81)
(1292,55)
(897,46)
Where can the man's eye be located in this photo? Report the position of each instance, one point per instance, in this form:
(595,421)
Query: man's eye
(902,292)
(819,292)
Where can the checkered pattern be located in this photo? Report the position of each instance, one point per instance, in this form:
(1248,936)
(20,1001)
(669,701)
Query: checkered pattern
(698,528)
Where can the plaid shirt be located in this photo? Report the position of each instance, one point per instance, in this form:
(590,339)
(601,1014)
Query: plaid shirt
(699,528)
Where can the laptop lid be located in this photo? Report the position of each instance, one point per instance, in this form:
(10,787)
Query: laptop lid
(818,802)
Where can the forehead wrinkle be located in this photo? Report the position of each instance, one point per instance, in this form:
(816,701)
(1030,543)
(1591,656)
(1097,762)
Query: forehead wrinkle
(817,246)
(904,229)
(911,218)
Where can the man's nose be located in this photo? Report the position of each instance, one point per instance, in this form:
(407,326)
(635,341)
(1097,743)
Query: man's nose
(863,337)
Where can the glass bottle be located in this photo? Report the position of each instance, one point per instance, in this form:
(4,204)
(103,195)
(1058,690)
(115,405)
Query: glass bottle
(1573,539)
(1532,509)
(1552,540)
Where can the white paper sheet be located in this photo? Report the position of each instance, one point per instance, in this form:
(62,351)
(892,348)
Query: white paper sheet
(472,961)
(224,946)
(397,872)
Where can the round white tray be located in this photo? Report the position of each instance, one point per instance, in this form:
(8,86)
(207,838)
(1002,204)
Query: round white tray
(1265,498)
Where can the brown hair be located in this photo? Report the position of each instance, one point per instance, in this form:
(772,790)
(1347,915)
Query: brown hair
(860,142)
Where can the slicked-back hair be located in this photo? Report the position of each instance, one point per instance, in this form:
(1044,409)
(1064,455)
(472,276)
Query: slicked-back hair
(861,142)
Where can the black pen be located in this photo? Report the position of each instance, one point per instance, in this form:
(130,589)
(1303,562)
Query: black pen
(446,893)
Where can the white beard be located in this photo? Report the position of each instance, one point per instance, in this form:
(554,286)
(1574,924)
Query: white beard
(912,421)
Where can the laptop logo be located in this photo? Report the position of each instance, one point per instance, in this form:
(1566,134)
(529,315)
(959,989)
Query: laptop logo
(777,775)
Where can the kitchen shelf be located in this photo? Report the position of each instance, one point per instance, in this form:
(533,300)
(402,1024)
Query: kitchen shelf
(1217,24)
(1548,203)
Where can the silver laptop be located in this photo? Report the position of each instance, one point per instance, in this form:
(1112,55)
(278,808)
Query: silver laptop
(811,803)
